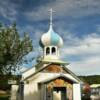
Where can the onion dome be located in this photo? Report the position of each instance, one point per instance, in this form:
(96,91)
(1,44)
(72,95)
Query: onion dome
(51,38)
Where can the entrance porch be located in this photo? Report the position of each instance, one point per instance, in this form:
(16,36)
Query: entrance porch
(60,88)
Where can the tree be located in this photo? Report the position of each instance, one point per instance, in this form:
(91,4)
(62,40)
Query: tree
(13,48)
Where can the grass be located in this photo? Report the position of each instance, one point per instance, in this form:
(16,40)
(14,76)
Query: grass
(4,97)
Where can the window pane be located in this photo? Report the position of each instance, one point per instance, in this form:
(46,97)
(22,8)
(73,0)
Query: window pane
(53,50)
(47,50)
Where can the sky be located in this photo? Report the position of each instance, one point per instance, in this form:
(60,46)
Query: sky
(76,21)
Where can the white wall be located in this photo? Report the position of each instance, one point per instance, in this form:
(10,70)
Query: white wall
(28,72)
(76,92)
(31,90)
(14,89)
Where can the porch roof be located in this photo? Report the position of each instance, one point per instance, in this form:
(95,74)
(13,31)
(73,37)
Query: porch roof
(61,76)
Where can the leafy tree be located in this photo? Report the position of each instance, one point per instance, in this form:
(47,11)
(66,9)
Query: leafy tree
(13,48)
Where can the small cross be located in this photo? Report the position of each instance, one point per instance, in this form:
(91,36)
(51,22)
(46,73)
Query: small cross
(51,13)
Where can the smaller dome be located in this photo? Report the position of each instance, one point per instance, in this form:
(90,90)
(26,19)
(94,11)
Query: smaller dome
(51,38)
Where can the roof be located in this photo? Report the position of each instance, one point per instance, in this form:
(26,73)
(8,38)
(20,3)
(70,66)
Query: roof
(64,67)
(74,75)
(95,85)
(61,76)
(56,61)
(39,70)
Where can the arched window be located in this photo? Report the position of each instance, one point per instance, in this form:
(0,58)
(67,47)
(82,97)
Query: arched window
(47,50)
(53,50)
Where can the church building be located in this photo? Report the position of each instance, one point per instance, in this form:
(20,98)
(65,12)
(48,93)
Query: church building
(50,79)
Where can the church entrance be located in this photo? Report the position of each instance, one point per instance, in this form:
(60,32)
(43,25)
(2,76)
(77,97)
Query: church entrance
(60,88)
(59,93)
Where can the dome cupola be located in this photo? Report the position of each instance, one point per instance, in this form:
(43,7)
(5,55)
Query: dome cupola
(51,38)
(51,42)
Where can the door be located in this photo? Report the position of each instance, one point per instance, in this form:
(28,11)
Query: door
(59,93)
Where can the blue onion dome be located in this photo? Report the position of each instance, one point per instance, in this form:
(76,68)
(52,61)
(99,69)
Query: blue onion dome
(51,38)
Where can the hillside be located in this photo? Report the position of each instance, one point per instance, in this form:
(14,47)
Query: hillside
(92,79)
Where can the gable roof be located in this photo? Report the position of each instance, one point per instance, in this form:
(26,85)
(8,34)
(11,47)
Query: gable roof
(57,61)
(61,76)
(73,74)
(39,70)
(63,66)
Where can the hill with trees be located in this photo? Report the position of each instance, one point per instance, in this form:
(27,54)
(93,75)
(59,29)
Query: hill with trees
(92,79)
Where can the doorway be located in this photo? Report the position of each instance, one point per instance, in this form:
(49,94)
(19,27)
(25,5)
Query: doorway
(59,93)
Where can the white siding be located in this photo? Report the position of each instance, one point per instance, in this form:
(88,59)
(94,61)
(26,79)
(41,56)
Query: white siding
(76,92)
(14,90)
(28,73)
(31,92)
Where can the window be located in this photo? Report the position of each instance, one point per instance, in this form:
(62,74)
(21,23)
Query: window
(53,50)
(47,50)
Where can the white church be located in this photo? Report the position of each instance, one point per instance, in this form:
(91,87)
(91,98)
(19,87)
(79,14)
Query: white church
(50,79)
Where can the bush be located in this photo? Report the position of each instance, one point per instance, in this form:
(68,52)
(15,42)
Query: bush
(4,81)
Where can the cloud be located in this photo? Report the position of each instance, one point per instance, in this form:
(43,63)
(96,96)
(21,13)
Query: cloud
(83,49)
(87,66)
(79,16)
(71,16)
(83,54)
(8,10)
(65,8)
(83,46)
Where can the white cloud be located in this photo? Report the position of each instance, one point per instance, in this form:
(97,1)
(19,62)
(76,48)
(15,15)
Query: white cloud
(87,66)
(88,52)
(82,49)
(88,45)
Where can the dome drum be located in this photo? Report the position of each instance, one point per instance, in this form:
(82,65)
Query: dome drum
(51,50)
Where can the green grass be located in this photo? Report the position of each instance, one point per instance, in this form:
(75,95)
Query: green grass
(4,97)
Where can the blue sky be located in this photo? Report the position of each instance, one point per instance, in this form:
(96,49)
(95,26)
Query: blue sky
(76,21)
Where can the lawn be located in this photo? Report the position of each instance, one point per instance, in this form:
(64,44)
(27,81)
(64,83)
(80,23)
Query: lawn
(4,97)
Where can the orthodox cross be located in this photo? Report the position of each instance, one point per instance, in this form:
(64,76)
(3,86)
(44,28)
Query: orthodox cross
(51,13)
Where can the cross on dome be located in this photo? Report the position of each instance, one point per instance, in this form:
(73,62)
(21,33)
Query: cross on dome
(51,14)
